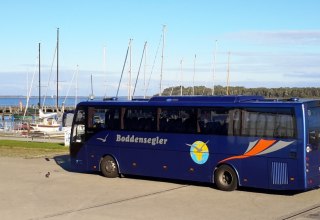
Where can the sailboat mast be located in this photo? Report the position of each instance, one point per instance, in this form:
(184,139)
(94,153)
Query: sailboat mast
(57,68)
(92,96)
(39,80)
(124,65)
(214,66)
(105,69)
(194,72)
(76,98)
(181,77)
(29,92)
(228,73)
(163,41)
(145,67)
(135,85)
(129,72)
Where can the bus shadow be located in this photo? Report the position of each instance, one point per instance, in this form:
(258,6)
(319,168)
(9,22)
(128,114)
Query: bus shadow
(64,162)
(210,185)
(270,192)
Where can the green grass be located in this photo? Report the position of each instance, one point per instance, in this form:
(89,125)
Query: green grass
(28,144)
(11,148)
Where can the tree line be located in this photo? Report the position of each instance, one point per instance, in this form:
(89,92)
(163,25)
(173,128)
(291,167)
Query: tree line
(282,92)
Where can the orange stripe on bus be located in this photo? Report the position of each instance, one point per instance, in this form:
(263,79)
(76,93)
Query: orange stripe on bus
(233,158)
(259,147)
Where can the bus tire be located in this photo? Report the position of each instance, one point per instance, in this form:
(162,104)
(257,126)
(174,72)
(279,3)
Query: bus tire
(109,167)
(225,178)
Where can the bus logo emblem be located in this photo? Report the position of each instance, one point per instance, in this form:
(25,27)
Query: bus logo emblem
(103,139)
(199,152)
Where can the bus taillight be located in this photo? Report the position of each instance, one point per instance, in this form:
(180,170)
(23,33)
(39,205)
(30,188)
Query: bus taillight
(308,149)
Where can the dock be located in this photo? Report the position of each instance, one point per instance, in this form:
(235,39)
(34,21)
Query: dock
(19,110)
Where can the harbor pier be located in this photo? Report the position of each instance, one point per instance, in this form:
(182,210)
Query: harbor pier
(8,110)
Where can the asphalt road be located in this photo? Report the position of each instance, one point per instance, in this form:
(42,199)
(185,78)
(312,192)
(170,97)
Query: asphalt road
(46,188)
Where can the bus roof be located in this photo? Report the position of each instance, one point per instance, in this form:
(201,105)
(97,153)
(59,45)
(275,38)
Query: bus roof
(198,100)
(224,99)
(205,99)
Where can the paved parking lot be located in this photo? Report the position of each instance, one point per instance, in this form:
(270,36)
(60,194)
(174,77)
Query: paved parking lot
(45,188)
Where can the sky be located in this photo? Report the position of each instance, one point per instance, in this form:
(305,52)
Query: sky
(191,42)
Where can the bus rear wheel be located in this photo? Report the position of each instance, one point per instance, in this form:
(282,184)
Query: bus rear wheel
(109,167)
(225,178)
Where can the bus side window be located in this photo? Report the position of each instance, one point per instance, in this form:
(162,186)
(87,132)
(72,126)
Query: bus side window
(170,121)
(284,126)
(112,119)
(140,119)
(177,120)
(235,120)
(268,122)
(190,122)
(213,121)
(96,118)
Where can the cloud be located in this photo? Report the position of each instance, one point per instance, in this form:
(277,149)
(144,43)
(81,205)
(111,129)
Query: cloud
(303,75)
(297,37)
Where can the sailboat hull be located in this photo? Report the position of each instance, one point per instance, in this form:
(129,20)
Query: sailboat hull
(45,128)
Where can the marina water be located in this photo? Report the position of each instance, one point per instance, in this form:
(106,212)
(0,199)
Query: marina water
(33,101)
(9,122)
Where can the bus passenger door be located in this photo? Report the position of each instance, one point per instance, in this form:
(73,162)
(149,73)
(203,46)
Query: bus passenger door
(77,140)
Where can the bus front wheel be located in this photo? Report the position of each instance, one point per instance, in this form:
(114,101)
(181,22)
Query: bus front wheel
(109,167)
(225,178)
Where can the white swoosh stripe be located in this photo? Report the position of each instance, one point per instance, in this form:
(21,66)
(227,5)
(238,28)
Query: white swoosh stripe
(277,146)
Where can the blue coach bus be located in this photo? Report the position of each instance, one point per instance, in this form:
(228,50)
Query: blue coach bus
(230,141)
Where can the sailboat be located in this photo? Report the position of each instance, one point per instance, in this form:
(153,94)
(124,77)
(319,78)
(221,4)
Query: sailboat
(48,122)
